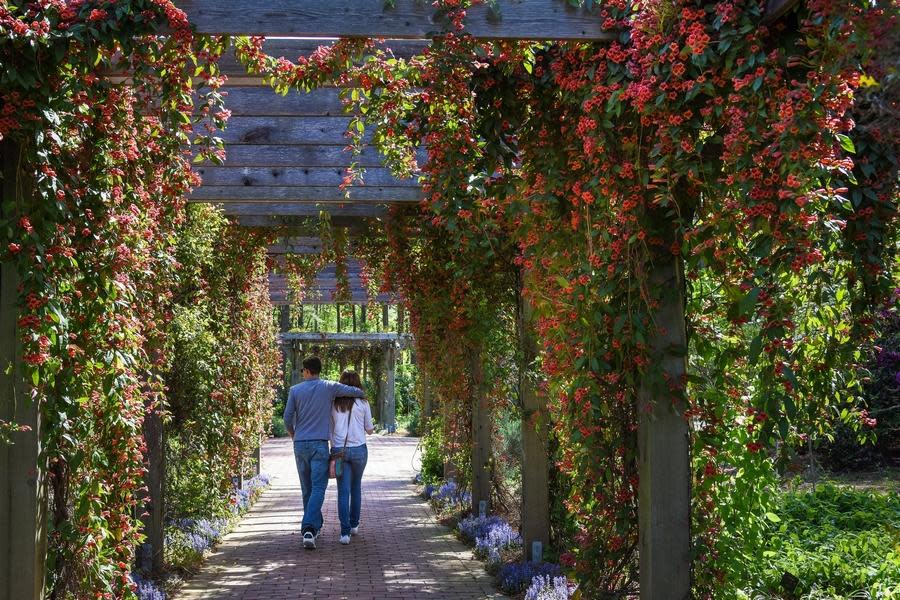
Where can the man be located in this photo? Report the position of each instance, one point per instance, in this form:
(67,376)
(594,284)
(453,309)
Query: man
(307,417)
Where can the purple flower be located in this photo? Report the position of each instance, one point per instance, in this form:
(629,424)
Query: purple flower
(516,577)
(146,589)
(544,587)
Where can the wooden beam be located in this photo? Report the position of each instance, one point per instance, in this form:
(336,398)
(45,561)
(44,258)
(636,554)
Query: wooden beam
(155,480)
(285,155)
(315,131)
(664,496)
(309,194)
(307,224)
(346,338)
(389,412)
(481,433)
(404,19)
(269,212)
(23,462)
(297,176)
(292,48)
(535,454)
(263,101)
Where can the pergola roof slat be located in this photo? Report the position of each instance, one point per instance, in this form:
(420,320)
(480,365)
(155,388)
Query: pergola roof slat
(292,48)
(295,176)
(359,194)
(279,214)
(283,130)
(409,19)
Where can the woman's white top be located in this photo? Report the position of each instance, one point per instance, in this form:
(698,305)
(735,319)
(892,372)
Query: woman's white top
(360,420)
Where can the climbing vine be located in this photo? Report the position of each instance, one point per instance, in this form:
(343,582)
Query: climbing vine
(98,102)
(703,134)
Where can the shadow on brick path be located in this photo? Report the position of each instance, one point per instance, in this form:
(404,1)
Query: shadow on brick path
(401,553)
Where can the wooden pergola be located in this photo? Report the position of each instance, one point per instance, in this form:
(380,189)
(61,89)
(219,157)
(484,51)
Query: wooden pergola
(285,160)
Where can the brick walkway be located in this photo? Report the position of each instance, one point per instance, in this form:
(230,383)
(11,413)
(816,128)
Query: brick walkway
(401,553)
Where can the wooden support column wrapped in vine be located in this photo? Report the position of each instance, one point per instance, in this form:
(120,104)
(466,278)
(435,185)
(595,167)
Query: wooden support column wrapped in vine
(155,480)
(664,495)
(23,472)
(481,432)
(535,459)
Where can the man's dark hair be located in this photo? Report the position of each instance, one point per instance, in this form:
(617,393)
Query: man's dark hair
(313,365)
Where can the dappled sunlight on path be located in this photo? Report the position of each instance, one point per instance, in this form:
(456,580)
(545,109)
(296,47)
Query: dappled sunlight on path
(400,554)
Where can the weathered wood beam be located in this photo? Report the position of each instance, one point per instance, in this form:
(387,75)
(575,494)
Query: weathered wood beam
(346,337)
(296,176)
(292,48)
(664,464)
(23,462)
(270,212)
(481,432)
(405,19)
(307,224)
(263,101)
(285,155)
(535,454)
(288,130)
(389,409)
(155,480)
(308,194)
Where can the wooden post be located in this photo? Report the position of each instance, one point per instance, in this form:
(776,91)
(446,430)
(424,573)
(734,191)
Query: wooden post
(481,434)
(535,460)
(300,323)
(23,469)
(154,437)
(353,313)
(284,318)
(297,364)
(664,515)
(389,413)
(400,318)
(337,308)
(257,458)
(379,391)
(385,317)
(362,317)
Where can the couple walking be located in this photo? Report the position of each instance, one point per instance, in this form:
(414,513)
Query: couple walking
(318,412)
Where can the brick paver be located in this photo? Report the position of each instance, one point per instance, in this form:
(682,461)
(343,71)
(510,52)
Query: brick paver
(400,554)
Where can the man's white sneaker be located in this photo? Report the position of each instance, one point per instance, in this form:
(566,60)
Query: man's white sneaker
(345,539)
(354,530)
(309,540)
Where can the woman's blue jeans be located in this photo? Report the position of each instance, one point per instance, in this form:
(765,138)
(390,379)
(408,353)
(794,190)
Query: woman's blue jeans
(350,486)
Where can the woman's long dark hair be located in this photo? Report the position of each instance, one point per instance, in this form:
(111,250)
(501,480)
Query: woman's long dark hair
(345,403)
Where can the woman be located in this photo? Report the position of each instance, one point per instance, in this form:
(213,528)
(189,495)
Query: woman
(351,420)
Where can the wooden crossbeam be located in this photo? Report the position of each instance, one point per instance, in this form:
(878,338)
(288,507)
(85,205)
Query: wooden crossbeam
(405,19)
(292,48)
(359,194)
(342,338)
(296,176)
(263,101)
(303,131)
(285,155)
(307,224)
(271,214)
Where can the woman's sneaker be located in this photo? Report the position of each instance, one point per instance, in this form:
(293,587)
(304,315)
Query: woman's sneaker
(354,530)
(345,539)
(309,540)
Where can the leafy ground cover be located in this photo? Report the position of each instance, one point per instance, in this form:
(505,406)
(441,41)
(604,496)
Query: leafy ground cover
(832,541)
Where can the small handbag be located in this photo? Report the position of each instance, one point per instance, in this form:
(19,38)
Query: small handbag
(336,462)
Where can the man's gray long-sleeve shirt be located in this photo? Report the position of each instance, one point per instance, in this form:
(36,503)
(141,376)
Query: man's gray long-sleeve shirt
(308,410)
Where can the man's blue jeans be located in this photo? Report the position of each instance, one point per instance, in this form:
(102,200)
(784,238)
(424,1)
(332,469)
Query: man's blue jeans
(350,486)
(312,467)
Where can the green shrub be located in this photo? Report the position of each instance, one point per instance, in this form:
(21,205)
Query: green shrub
(433,452)
(833,542)
(278,428)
